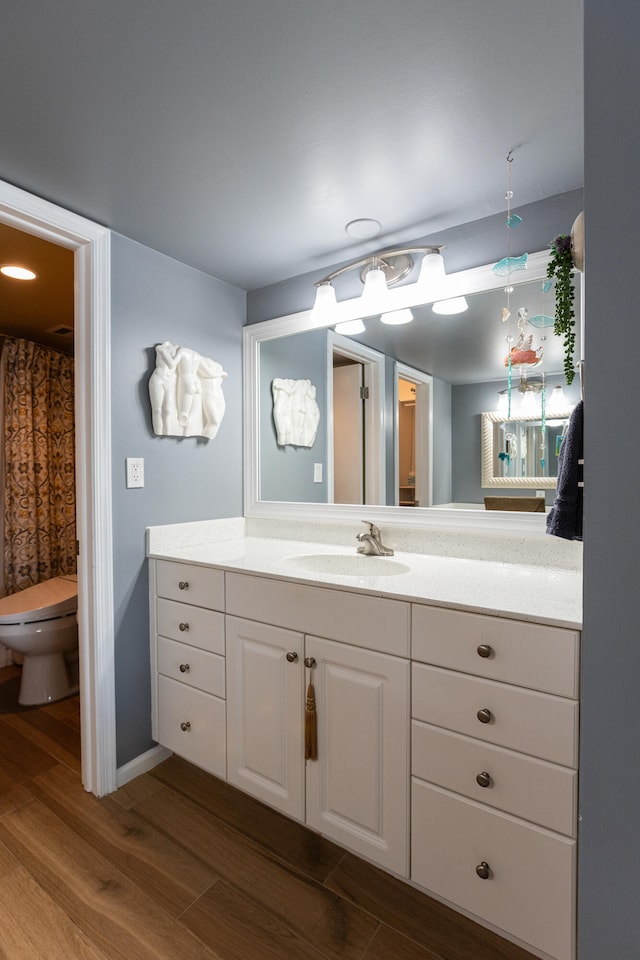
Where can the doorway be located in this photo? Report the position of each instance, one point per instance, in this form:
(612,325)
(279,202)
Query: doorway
(355,422)
(90,244)
(413,433)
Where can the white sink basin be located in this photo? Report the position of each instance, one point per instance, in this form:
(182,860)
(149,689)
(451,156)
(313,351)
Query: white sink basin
(350,566)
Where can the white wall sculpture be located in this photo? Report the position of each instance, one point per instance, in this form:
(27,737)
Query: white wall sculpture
(185,390)
(295,412)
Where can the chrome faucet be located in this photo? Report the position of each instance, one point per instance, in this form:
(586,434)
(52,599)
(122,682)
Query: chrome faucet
(372,545)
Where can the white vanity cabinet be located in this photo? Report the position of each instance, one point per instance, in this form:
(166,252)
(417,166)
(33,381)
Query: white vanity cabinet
(447,741)
(265,712)
(188,666)
(494,779)
(356,791)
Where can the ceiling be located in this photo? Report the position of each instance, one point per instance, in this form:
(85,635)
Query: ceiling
(40,309)
(240,137)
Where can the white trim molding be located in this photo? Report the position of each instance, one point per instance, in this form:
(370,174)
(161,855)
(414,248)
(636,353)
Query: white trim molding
(92,245)
(142,764)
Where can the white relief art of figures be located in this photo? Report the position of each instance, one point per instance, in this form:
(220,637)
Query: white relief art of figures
(186,395)
(295,412)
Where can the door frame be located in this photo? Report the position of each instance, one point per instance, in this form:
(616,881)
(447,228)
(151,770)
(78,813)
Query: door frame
(374,379)
(91,244)
(423,429)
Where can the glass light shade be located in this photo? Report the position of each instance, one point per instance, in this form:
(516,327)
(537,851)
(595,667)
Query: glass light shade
(350,327)
(326,302)
(449,307)
(530,403)
(396,317)
(17,273)
(557,400)
(503,403)
(375,287)
(431,270)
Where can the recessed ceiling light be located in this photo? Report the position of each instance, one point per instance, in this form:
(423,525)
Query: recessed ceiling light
(363,229)
(17,273)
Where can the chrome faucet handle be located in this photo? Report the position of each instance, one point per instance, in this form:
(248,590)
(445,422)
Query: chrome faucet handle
(373,530)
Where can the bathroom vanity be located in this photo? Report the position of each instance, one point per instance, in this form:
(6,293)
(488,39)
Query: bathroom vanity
(446,692)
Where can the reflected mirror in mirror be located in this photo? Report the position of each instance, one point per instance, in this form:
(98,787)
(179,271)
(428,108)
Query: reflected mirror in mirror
(459,362)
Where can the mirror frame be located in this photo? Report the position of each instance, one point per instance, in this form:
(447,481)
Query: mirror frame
(489,423)
(465,282)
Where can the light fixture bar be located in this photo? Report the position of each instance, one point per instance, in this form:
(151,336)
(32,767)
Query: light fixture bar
(379,258)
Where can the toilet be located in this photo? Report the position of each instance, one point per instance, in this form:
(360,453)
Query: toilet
(40,623)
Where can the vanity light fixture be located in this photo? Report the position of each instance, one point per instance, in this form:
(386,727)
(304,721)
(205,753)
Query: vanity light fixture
(450,307)
(397,317)
(375,287)
(17,273)
(350,327)
(378,272)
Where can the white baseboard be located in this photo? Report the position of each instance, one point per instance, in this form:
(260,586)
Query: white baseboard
(146,761)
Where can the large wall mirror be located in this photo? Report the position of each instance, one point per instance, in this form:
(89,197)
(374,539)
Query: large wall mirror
(400,407)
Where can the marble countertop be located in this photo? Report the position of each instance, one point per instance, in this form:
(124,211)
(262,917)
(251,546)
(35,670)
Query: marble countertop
(533,592)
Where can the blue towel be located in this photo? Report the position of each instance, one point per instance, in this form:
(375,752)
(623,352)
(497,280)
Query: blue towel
(565,517)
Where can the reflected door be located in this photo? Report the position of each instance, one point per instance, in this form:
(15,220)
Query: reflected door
(348,432)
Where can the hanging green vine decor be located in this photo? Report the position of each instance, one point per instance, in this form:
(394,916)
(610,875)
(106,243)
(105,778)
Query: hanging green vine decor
(561,269)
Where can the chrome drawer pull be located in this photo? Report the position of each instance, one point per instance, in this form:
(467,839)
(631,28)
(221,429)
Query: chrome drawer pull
(485,651)
(184,668)
(483,870)
(484,716)
(183,585)
(185,726)
(292,657)
(182,627)
(483,779)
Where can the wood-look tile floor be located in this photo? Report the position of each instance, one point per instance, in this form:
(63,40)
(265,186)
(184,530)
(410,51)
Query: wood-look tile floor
(177,865)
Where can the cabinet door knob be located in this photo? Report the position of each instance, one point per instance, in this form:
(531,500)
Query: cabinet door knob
(182,627)
(483,779)
(485,651)
(183,585)
(292,657)
(184,668)
(310,662)
(484,716)
(483,870)
(185,726)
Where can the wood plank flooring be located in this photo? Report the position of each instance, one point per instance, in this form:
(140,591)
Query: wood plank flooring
(180,866)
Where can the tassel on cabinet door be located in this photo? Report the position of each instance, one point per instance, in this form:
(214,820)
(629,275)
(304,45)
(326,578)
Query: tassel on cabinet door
(310,716)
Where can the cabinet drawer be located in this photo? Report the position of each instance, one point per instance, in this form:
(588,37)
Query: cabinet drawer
(197,668)
(200,586)
(361,620)
(534,723)
(527,654)
(529,891)
(193,625)
(203,741)
(535,790)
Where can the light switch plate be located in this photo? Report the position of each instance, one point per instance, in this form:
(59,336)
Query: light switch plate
(317,473)
(135,471)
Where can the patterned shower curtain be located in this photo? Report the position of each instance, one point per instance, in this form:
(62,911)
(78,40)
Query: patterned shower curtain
(38,455)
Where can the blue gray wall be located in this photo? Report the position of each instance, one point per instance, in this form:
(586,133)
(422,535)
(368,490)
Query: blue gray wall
(286,473)
(155,298)
(442,446)
(609,862)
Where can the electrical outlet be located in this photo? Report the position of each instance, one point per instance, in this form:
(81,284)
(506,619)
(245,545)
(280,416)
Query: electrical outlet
(135,471)
(317,473)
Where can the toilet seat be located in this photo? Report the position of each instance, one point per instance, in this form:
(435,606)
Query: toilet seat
(48,600)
